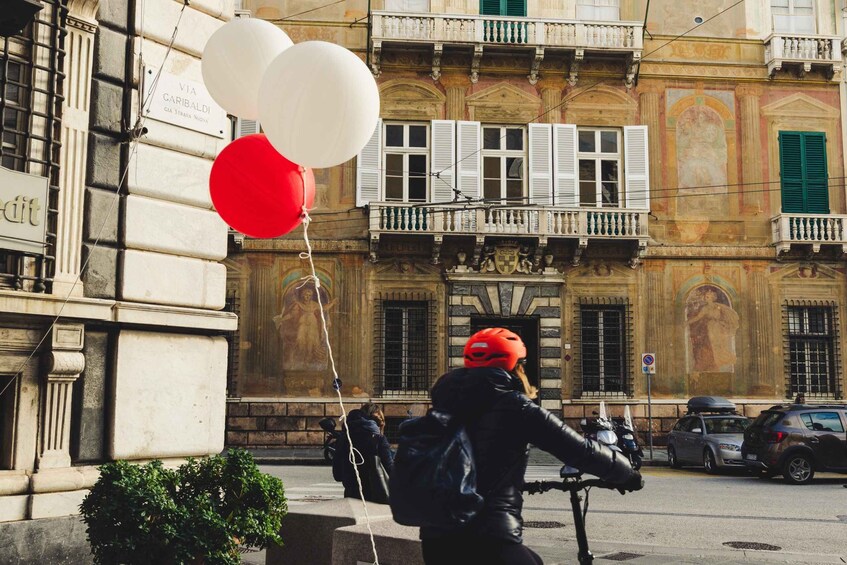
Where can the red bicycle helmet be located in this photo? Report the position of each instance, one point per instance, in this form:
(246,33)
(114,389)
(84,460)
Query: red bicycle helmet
(494,347)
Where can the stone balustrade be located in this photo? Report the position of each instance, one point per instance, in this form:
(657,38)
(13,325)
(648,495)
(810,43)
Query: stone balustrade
(504,30)
(544,221)
(809,229)
(805,50)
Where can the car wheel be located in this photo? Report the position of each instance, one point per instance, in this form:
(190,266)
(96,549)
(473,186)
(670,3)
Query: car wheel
(672,460)
(798,470)
(709,462)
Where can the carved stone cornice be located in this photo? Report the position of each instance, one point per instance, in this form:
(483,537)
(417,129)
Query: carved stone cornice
(82,25)
(710,252)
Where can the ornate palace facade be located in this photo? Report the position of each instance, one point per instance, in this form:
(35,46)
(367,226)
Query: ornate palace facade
(604,181)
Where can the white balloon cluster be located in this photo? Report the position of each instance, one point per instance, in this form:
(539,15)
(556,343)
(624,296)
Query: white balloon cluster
(317,102)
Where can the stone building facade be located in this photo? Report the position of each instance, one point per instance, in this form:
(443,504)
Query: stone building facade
(605,180)
(111,325)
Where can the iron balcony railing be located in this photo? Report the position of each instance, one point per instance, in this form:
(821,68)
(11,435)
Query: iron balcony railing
(546,221)
(809,229)
(503,30)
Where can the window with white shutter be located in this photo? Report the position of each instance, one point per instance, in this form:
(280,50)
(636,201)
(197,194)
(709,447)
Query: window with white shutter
(468,147)
(541,164)
(598,10)
(443,160)
(565,187)
(368,174)
(405,154)
(503,164)
(793,16)
(599,152)
(637,164)
(246,127)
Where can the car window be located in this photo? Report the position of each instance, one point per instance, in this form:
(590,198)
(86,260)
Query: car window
(691,424)
(726,425)
(822,421)
(766,419)
(680,425)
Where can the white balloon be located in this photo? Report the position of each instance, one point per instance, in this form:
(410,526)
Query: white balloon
(318,104)
(235,60)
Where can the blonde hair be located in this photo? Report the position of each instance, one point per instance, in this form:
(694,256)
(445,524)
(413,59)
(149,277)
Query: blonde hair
(528,389)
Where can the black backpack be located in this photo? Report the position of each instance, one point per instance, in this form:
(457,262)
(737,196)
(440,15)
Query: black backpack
(433,481)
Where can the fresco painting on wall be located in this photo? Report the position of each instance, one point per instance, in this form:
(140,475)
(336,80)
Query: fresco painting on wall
(299,328)
(701,160)
(712,324)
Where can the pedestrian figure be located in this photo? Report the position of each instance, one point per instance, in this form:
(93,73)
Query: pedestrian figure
(367,430)
(800,399)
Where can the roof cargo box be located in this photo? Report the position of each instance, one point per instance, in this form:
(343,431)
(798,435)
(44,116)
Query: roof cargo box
(710,404)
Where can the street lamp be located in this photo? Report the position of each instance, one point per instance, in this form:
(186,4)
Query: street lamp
(16,14)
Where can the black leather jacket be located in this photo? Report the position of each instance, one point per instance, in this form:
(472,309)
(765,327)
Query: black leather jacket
(501,421)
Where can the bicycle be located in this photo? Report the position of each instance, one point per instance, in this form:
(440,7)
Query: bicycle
(571,483)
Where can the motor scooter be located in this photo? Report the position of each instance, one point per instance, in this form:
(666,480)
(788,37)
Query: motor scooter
(628,439)
(600,429)
(332,435)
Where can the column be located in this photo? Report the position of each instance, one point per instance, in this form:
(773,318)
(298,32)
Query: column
(649,104)
(762,338)
(74,151)
(751,148)
(65,362)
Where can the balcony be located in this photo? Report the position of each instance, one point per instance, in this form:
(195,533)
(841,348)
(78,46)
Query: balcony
(539,222)
(809,229)
(803,52)
(475,33)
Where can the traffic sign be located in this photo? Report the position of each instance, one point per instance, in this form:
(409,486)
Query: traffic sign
(648,363)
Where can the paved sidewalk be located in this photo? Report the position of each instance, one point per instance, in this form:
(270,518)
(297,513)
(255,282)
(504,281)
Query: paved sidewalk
(314,456)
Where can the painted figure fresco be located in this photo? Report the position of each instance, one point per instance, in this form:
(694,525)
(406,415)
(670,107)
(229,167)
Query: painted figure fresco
(712,325)
(701,160)
(299,327)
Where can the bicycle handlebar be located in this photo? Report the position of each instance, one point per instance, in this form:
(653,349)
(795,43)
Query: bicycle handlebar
(537,487)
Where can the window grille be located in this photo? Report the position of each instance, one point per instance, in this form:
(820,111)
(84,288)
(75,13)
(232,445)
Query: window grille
(812,355)
(31,96)
(603,330)
(405,348)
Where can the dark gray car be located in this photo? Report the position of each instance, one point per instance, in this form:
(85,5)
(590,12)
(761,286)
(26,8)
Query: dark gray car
(797,440)
(711,440)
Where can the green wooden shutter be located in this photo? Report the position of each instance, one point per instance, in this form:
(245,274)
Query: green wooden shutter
(489,7)
(791,170)
(817,182)
(515,8)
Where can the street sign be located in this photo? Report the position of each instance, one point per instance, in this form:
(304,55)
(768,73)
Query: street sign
(648,363)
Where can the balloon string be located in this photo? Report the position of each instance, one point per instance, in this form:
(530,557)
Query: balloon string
(336,382)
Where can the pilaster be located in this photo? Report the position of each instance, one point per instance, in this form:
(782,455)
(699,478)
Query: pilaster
(456,88)
(65,361)
(551,101)
(751,165)
(74,151)
(649,104)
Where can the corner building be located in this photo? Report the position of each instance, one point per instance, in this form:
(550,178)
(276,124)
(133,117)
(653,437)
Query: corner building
(111,283)
(603,180)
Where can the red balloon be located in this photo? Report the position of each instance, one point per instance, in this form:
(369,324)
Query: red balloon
(257,191)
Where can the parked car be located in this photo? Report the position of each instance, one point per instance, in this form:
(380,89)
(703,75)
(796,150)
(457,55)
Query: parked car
(797,440)
(710,434)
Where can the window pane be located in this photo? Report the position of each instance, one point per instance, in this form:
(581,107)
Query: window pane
(491,168)
(587,196)
(417,189)
(417,165)
(587,169)
(586,141)
(491,190)
(417,136)
(514,191)
(394,188)
(609,141)
(514,139)
(393,164)
(514,167)
(609,190)
(394,136)
(491,138)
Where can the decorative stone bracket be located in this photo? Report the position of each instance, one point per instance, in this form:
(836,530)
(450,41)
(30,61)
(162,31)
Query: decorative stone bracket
(536,64)
(477,58)
(376,54)
(573,74)
(64,363)
(437,50)
(631,69)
